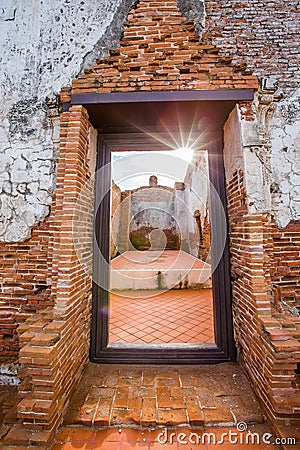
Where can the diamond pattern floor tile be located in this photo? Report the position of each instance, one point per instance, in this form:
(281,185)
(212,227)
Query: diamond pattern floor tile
(162,317)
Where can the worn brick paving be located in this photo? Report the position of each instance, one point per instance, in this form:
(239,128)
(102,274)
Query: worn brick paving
(125,407)
(163,395)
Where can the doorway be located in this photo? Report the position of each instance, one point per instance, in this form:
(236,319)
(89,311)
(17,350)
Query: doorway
(160,259)
(161,291)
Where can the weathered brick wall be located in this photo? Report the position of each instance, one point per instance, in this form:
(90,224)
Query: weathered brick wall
(159,51)
(261,34)
(55,343)
(286,268)
(267,339)
(25,285)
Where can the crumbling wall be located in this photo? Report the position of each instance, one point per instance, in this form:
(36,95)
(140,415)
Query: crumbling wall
(265,278)
(262,37)
(271,152)
(285,160)
(43,46)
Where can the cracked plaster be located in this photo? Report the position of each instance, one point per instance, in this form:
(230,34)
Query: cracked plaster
(268,152)
(285,160)
(43,46)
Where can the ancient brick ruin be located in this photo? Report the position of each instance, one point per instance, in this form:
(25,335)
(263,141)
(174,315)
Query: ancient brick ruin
(48,151)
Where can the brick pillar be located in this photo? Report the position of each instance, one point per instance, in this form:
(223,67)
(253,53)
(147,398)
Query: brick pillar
(58,339)
(267,348)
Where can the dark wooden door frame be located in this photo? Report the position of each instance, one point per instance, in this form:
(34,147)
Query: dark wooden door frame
(100,351)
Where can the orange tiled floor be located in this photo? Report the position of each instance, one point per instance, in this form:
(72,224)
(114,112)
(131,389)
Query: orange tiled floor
(156,317)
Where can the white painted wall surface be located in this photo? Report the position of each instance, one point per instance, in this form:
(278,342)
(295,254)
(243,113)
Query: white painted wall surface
(285,160)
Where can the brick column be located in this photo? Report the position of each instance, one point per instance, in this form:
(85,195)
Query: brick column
(267,348)
(58,339)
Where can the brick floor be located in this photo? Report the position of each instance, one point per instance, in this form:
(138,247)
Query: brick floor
(152,396)
(157,317)
(163,407)
(125,407)
(153,316)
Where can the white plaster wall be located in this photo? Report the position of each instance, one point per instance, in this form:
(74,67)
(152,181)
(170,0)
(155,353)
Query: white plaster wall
(256,180)
(272,171)
(43,46)
(285,160)
(195,197)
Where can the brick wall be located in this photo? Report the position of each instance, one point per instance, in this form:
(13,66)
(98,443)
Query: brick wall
(286,267)
(159,51)
(55,342)
(261,34)
(25,285)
